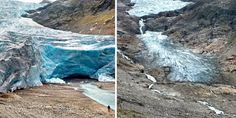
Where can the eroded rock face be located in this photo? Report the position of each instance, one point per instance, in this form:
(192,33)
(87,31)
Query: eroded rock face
(32,54)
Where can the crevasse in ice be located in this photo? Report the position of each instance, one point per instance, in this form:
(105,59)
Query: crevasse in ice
(31,54)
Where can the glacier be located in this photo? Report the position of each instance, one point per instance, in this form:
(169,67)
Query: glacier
(31,54)
(185,66)
(155,6)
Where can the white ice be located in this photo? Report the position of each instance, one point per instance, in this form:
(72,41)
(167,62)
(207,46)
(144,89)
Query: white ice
(35,1)
(217,111)
(185,65)
(147,7)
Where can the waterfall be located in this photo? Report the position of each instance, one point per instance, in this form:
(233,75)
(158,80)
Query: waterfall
(141,24)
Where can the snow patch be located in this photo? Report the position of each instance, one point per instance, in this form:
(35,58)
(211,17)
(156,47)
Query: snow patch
(217,111)
(151,78)
(124,56)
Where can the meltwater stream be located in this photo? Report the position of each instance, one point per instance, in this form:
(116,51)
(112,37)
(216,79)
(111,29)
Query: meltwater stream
(185,65)
(104,97)
(31,54)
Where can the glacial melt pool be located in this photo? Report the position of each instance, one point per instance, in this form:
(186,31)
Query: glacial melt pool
(184,64)
(31,54)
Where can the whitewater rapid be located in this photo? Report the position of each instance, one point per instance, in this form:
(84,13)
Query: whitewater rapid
(184,64)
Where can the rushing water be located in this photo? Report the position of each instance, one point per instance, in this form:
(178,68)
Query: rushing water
(185,65)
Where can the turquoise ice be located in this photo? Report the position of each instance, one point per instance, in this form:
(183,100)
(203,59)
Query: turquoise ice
(31,54)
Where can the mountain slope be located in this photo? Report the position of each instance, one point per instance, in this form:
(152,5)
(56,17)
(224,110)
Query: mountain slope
(81,16)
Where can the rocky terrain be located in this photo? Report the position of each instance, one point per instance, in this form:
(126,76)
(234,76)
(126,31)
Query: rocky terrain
(51,101)
(80,16)
(206,28)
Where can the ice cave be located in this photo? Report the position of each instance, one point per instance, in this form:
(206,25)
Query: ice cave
(32,54)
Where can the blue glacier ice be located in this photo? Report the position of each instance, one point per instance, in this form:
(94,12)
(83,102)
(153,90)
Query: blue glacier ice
(31,54)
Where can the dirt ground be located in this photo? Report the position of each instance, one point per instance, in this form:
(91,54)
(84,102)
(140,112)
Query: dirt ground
(51,101)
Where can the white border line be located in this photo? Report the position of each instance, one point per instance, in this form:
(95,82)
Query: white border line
(116,58)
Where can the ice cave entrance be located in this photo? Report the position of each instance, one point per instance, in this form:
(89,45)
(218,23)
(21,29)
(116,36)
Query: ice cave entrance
(78,78)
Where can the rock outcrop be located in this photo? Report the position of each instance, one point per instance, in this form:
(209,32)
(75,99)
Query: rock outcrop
(81,16)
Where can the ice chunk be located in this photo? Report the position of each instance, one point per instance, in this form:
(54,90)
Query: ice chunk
(55,81)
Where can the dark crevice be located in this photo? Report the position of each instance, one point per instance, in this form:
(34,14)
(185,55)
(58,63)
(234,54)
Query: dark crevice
(78,77)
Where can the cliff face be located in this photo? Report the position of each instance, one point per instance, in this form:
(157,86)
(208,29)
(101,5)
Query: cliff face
(81,16)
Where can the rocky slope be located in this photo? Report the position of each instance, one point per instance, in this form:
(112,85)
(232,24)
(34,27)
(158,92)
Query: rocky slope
(206,28)
(81,16)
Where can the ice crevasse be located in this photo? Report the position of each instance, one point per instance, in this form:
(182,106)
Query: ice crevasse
(31,54)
